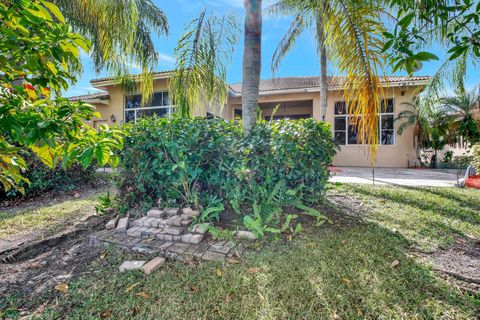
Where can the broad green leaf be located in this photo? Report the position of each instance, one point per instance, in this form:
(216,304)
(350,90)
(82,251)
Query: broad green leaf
(426,56)
(54,10)
(45,153)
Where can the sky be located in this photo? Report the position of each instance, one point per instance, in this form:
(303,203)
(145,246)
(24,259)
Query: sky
(302,60)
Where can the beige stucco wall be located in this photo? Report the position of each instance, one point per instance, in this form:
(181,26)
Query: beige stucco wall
(116,103)
(397,155)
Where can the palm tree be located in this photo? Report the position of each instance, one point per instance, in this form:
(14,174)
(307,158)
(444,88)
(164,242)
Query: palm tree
(303,17)
(203,53)
(351,33)
(430,127)
(252,53)
(121,34)
(462,109)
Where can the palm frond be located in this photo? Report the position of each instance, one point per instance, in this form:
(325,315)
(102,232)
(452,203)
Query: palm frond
(203,54)
(296,28)
(120,31)
(354,41)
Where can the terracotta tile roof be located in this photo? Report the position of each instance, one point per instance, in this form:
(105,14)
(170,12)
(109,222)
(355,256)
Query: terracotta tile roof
(158,73)
(292,83)
(90,97)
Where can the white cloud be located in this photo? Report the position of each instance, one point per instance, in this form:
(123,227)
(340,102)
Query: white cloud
(166,58)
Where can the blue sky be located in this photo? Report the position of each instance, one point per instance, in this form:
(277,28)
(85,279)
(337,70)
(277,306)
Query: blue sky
(301,61)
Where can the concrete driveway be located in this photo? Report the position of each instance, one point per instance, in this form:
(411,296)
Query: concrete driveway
(397,176)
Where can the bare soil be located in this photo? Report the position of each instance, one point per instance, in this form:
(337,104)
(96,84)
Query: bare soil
(32,263)
(459,264)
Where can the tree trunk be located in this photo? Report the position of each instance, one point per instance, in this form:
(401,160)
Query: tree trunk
(433,160)
(322,51)
(252,53)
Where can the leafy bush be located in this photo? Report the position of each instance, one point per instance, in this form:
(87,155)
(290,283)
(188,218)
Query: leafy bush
(201,162)
(43,178)
(476,157)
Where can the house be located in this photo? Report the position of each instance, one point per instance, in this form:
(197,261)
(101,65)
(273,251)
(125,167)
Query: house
(291,97)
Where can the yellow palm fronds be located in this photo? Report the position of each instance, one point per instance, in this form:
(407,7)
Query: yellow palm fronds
(354,41)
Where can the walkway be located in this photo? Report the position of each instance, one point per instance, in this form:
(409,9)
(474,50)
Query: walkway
(397,176)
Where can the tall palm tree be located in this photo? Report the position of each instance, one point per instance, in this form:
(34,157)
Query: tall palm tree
(462,109)
(121,34)
(350,32)
(252,54)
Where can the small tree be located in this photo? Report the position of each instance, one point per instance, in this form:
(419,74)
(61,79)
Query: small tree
(462,108)
(430,127)
(39,57)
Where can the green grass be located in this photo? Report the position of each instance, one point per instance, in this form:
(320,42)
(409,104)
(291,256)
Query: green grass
(314,277)
(428,217)
(328,272)
(45,217)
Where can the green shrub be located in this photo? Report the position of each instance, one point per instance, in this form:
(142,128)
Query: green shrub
(201,162)
(476,157)
(43,178)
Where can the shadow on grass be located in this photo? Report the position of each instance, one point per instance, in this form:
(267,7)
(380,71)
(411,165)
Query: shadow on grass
(323,274)
(442,202)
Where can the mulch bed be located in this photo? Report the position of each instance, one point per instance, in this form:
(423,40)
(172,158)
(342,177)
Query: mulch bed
(473,182)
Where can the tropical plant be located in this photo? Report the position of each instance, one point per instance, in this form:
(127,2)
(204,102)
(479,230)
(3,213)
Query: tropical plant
(351,33)
(207,163)
(252,63)
(476,157)
(463,110)
(430,127)
(422,24)
(305,15)
(39,55)
(203,54)
(121,34)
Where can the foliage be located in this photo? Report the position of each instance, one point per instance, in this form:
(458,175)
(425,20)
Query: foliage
(43,178)
(203,53)
(39,55)
(420,23)
(207,162)
(476,157)
(105,203)
(121,34)
(353,40)
(430,124)
(463,112)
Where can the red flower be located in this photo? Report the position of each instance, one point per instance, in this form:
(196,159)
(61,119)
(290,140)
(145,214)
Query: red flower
(28,86)
(473,182)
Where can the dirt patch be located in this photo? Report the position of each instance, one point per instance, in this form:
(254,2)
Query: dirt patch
(33,262)
(459,264)
(33,269)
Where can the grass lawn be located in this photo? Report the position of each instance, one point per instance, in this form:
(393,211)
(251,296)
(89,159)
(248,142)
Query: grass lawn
(427,217)
(46,217)
(339,271)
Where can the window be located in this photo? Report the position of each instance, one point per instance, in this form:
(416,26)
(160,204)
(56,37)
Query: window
(387,133)
(346,132)
(159,106)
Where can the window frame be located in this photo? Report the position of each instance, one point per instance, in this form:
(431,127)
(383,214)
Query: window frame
(170,107)
(348,116)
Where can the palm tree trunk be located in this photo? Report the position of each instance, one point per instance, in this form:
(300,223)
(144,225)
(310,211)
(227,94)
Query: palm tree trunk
(322,51)
(252,53)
